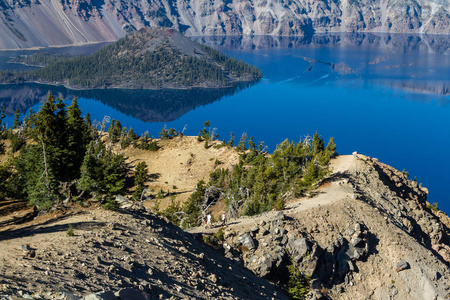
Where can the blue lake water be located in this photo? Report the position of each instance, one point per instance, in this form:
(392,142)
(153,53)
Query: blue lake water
(385,96)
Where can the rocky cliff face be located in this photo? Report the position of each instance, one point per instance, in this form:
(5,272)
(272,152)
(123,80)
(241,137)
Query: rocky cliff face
(50,22)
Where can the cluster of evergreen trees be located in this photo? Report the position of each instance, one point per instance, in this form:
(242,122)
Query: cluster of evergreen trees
(39,59)
(128,62)
(259,182)
(58,156)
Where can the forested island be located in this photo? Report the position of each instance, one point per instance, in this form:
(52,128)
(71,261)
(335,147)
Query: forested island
(147,59)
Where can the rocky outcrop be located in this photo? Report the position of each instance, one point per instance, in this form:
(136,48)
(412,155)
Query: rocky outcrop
(367,233)
(45,23)
(267,250)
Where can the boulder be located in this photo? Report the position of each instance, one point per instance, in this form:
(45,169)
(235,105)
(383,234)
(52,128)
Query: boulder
(402,265)
(298,247)
(213,278)
(68,296)
(265,266)
(254,230)
(247,241)
(131,294)
(101,296)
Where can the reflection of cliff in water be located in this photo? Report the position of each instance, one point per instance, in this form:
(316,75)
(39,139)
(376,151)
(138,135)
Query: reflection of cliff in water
(414,64)
(435,43)
(146,105)
(423,91)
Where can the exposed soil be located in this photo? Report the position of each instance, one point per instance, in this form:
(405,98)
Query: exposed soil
(179,164)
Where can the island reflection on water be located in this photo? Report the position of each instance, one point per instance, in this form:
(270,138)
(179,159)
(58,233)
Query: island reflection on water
(145,105)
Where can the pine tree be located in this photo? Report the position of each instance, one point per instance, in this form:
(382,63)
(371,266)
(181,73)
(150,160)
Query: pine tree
(46,121)
(251,144)
(43,193)
(298,285)
(330,149)
(132,137)
(231,141)
(103,174)
(78,137)
(317,144)
(2,131)
(140,177)
(242,142)
(114,131)
(144,141)
(17,122)
(193,206)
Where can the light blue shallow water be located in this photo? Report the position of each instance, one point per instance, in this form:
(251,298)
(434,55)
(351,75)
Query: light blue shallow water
(383,96)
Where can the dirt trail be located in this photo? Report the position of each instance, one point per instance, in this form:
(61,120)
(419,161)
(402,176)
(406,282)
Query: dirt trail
(332,191)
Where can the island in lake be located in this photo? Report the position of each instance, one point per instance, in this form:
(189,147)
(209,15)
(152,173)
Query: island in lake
(147,59)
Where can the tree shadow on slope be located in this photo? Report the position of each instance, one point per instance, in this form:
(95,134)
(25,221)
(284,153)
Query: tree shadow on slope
(43,228)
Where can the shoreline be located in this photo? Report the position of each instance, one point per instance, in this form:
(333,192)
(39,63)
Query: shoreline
(233,84)
(331,32)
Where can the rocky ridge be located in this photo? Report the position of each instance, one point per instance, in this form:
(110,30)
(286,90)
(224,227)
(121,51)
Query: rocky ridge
(368,233)
(49,23)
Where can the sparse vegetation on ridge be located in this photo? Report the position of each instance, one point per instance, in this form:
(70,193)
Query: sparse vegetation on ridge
(259,182)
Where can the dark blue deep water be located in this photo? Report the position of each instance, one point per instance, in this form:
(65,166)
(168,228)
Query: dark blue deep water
(386,96)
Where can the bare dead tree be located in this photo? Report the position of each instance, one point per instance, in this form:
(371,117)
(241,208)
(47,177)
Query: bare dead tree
(307,141)
(66,190)
(212,195)
(264,150)
(180,215)
(101,128)
(184,129)
(122,134)
(45,162)
(212,134)
(234,204)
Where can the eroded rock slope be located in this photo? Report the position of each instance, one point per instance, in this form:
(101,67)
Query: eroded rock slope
(53,22)
(127,253)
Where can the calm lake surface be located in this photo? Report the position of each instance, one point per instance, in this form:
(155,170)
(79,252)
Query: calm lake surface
(386,96)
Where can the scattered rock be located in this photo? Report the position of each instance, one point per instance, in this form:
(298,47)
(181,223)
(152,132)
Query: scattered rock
(401,265)
(213,278)
(183,250)
(68,296)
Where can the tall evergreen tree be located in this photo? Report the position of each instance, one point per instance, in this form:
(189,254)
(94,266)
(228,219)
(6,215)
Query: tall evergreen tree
(140,177)
(45,124)
(317,144)
(330,149)
(242,142)
(17,122)
(78,137)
